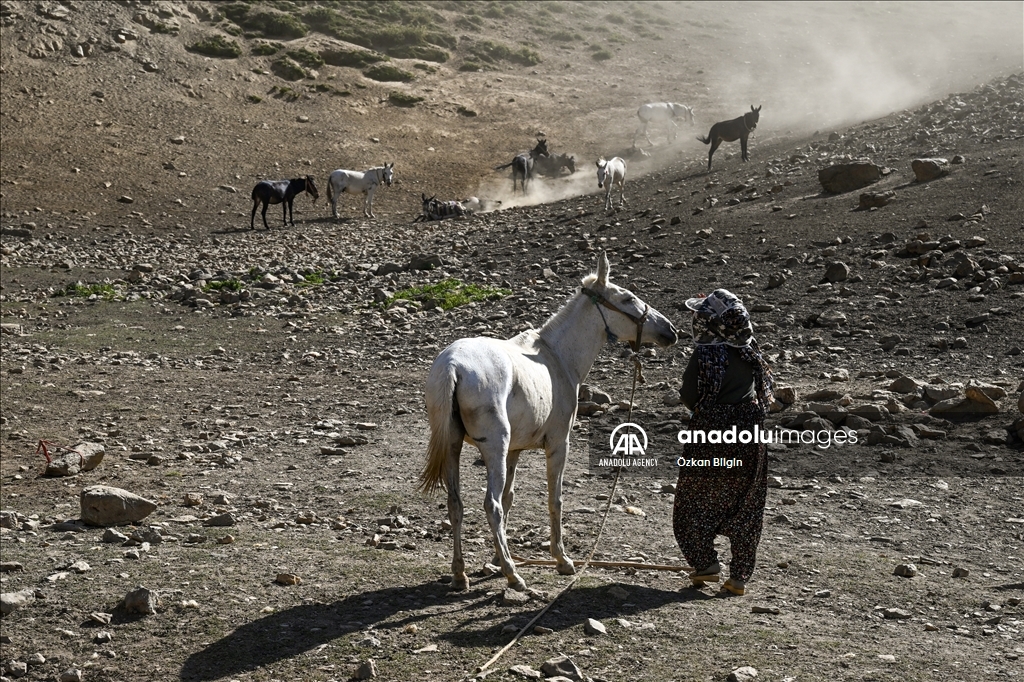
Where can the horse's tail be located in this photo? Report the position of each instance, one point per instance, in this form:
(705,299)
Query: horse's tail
(441,406)
(330,189)
(505,166)
(705,140)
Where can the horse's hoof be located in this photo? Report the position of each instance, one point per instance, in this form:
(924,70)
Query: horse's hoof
(460,584)
(566,568)
(517,583)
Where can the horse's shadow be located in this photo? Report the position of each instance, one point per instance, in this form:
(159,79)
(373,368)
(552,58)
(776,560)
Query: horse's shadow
(295,631)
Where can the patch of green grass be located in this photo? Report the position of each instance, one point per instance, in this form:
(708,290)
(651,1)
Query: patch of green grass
(308,59)
(615,18)
(602,55)
(427,53)
(263,21)
(470,66)
(469,23)
(263,49)
(388,73)
(490,52)
(313,279)
(354,58)
(331,90)
(288,69)
(449,293)
(565,37)
(285,93)
(402,99)
(425,67)
(216,46)
(255,99)
(224,285)
(79,290)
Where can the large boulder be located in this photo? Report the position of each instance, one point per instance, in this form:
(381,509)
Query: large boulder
(929,169)
(106,506)
(846,177)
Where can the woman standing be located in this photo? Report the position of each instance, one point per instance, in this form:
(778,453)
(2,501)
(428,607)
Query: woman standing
(726,383)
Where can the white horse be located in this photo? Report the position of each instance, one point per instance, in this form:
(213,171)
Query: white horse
(521,394)
(661,111)
(612,172)
(355,182)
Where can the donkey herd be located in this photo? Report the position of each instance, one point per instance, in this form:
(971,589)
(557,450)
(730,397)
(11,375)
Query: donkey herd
(610,173)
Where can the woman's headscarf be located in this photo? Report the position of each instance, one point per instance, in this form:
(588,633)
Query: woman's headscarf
(719,320)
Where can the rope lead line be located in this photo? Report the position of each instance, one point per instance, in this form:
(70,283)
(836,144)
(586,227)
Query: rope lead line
(637,375)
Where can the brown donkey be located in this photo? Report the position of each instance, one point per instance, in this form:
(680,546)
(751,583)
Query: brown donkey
(730,131)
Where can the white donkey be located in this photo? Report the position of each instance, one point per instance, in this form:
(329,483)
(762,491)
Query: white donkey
(508,396)
(661,111)
(612,172)
(355,182)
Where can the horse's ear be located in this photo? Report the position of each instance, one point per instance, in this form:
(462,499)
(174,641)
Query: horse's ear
(424,196)
(602,269)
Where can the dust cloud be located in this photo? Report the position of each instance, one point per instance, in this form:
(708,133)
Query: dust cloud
(813,66)
(820,65)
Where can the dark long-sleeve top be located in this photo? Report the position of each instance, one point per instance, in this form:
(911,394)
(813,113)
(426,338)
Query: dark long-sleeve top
(737,385)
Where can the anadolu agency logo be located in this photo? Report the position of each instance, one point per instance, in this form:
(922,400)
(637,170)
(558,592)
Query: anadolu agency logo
(629,447)
(625,440)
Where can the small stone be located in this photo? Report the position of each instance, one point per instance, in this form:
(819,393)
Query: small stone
(929,169)
(141,600)
(960,572)
(511,597)
(743,674)
(822,594)
(895,614)
(288,579)
(12,601)
(225,519)
(594,627)
(16,669)
(111,536)
(905,570)
(367,670)
(836,272)
(563,666)
(526,671)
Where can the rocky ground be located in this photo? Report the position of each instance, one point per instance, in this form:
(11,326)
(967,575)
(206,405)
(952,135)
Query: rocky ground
(264,389)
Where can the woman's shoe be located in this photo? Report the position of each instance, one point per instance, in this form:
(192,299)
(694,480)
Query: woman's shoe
(736,587)
(711,574)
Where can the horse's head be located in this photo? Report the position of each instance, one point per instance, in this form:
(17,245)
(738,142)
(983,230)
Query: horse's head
(311,188)
(602,172)
(682,111)
(624,313)
(570,163)
(541,149)
(389,173)
(751,118)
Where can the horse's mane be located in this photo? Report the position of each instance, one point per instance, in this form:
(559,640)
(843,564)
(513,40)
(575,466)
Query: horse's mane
(563,312)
